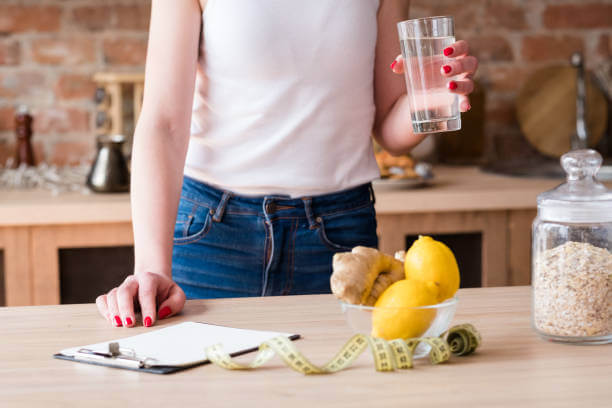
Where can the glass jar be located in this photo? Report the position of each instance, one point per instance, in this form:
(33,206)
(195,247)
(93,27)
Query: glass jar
(572,258)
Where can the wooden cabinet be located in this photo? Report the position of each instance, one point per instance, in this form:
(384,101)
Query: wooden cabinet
(31,256)
(15,246)
(505,243)
(34,226)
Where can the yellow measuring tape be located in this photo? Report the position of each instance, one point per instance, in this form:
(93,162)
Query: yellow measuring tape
(459,340)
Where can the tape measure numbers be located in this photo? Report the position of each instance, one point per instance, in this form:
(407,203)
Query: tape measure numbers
(459,340)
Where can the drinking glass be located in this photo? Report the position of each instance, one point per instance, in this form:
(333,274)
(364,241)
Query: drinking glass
(432,107)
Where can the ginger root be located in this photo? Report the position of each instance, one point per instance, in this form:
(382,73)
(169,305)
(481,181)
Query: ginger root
(360,276)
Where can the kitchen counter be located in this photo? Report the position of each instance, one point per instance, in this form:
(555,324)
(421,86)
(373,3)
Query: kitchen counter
(497,210)
(464,189)
(513,367)
(453,189)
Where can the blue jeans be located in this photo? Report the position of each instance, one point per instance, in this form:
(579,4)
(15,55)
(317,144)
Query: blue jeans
(227,245)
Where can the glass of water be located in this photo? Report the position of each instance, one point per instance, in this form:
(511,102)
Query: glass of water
(432,107)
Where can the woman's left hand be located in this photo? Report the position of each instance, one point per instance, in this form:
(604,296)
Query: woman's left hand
(460,65)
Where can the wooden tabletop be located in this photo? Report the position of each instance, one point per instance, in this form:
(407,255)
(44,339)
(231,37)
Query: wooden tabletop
(452,189)
(513,367)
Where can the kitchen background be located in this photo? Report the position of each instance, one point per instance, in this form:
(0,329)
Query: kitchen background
(49,50)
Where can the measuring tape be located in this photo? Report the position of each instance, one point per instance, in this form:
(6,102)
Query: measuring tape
(459,340)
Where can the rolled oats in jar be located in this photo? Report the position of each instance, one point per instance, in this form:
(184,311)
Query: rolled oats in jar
(572,256)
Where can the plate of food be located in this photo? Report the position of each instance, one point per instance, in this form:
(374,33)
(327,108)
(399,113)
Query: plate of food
(401,171)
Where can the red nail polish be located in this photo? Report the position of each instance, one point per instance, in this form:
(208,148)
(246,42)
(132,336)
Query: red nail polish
(393,64)
(448,51)
(446,69)
(164,312)
(118,321)
(147,321)
(452,85)
(128,321)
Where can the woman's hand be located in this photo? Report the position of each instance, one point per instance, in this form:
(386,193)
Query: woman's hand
(461,65)
(157,295)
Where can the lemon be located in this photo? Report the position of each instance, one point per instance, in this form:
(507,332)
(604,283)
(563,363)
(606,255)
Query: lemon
(429,260)
(396,313)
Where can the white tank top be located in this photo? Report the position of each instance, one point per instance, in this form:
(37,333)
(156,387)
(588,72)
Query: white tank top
(284,96)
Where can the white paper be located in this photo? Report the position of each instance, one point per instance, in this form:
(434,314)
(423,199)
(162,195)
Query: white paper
(184,343)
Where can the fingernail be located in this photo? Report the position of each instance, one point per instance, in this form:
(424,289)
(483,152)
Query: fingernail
(128,321)
(164,311)
(446,69)
(448,51)
(452,85)
(147,321)
(118,321)
(393,64)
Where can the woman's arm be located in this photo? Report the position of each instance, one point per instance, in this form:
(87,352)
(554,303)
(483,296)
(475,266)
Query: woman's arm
(393,126)
(158,157)
(162,132)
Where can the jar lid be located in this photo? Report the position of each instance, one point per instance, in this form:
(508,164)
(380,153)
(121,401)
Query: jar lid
(582,198)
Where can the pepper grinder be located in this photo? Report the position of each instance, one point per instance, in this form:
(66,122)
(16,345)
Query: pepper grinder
(23,129)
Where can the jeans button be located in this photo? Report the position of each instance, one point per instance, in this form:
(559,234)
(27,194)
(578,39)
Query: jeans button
(270,207)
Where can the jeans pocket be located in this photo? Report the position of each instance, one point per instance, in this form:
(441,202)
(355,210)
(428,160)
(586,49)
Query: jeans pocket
(193,223)
(348,229)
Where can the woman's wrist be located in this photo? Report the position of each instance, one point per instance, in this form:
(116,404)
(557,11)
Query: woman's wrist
(142,269)
(395,133)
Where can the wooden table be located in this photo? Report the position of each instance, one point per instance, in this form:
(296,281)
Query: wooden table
(512,368)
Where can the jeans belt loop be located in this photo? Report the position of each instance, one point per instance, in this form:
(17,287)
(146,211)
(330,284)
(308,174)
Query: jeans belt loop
(312,223)
(372,195)
(221,206)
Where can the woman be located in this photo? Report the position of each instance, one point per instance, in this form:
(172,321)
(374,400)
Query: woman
(273,140)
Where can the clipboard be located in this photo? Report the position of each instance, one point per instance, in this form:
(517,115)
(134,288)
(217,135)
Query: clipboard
(169,349)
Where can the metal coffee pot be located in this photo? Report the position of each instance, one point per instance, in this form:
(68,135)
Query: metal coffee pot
(109,172)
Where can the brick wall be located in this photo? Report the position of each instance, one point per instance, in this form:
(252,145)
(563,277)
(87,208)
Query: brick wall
(50,48)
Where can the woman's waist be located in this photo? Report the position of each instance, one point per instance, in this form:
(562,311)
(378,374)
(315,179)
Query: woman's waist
(210,195)
(292,169)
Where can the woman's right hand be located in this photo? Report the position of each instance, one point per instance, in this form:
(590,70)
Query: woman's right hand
(158,158)
(158,296)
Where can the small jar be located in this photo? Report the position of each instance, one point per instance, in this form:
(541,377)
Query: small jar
(572,258)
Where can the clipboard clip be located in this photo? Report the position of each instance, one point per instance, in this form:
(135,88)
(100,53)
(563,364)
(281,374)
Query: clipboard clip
(116,356)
